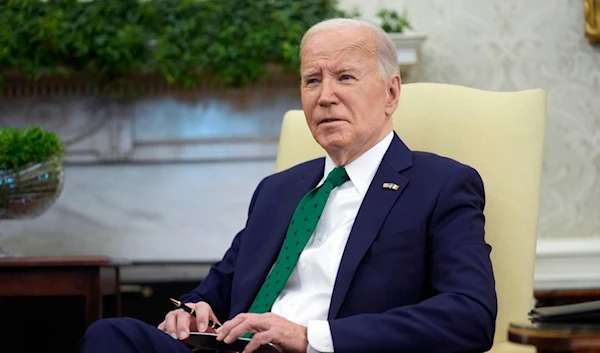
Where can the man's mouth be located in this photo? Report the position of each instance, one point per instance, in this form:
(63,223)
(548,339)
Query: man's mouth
(329,120)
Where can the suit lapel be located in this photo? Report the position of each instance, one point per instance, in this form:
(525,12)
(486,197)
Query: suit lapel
(371,215)
(269,249)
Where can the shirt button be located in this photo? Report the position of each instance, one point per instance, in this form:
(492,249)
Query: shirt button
(303,266)
(320,237)
(326,343)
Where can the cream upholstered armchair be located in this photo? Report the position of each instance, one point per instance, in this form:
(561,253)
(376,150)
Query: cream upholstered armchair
(501,135)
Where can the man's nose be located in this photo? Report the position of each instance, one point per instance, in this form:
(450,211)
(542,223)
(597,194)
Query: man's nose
(328,94)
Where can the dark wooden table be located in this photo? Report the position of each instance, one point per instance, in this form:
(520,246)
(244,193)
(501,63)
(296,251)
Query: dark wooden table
(92,277)
(553,297)
(579,338)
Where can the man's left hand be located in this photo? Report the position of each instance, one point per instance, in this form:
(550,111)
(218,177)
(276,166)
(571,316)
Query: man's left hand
(285,335)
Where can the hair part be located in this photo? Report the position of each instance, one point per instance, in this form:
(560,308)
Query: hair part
(386,50)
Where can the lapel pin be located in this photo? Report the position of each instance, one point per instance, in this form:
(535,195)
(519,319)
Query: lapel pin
(391,186)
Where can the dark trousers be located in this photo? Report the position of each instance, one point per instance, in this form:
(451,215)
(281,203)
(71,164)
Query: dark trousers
(127,335)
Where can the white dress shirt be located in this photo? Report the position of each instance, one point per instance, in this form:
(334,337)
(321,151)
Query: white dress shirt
(306,296)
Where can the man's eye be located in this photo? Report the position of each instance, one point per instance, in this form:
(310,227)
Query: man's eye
(312,80)
(345,77)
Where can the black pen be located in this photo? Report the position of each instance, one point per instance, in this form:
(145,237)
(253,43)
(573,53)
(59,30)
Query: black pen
(192,312)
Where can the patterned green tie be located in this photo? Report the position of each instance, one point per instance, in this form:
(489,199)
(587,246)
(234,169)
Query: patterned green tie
(301,228)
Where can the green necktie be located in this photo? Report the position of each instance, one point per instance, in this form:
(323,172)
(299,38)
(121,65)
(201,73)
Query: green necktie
(301,228)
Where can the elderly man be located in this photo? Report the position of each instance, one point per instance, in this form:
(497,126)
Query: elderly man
(373,248)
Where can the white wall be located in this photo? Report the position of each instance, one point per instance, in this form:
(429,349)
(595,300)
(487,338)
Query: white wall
(143,212)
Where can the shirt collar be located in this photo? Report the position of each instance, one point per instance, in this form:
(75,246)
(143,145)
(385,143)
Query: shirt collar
(362,170)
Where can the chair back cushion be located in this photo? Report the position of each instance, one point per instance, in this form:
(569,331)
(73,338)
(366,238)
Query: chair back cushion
(501,135)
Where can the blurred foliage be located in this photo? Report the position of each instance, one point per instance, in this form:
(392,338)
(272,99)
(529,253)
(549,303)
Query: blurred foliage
(21,147)
(231,41)
(392,22)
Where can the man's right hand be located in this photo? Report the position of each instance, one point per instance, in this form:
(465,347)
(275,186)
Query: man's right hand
(179,323)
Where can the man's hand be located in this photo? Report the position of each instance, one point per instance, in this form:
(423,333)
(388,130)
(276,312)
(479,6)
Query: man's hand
(179,323)
(268,328)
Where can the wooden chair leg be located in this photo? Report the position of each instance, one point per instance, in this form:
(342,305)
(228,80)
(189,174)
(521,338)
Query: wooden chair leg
(93,300)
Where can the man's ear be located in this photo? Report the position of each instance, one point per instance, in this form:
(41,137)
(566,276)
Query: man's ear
(393,94)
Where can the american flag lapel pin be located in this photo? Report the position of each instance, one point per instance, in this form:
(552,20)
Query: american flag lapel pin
(391,186)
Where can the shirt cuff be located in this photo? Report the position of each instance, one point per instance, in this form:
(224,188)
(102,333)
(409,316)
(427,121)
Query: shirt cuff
(319,337)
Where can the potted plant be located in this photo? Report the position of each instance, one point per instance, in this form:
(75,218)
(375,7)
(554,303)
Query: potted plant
(31,171)
(392,22)
(399,29)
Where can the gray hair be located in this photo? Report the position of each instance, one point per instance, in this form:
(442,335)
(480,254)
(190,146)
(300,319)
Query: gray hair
(387,55)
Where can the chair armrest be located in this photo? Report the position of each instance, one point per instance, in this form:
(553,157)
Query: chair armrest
(509,347)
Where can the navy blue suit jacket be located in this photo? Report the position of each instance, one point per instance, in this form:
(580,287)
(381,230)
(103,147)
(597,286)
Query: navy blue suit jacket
(415,275)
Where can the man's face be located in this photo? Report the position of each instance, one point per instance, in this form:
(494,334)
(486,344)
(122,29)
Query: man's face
(348,106)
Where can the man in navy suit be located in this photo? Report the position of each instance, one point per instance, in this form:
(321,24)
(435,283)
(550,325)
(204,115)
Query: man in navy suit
(397,260)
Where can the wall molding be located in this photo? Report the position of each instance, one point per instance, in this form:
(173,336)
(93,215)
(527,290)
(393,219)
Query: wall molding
(567,263)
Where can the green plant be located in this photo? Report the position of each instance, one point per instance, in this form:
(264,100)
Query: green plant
(229,41)
(392,22)
(21,147)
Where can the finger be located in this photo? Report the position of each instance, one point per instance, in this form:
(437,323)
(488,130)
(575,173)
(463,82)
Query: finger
(226,328)
(171,323)
(203,312)
(183,324)
(251,323)
(162,326)
(258,340)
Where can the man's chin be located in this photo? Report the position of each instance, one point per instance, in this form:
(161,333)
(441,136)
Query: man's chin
(333,144)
